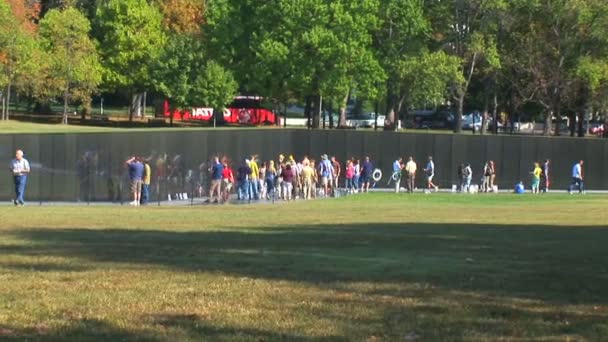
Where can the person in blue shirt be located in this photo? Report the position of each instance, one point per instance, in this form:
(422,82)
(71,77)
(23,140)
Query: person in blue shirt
(366,174)
(20,168)
(577,178)
(397,169)
(429,171)
(217,170)
(136,175)
(519,188)
(326,170)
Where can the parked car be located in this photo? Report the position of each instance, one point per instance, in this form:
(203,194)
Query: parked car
(426,119)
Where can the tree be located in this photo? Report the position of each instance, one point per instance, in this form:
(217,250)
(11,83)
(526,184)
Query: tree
(402,34)
(214,86)
(183,16)
(131,40)
(467,29)
(176,69)
(74,63)
(18,47)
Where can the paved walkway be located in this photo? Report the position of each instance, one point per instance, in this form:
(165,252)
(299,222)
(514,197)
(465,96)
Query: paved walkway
(233,200)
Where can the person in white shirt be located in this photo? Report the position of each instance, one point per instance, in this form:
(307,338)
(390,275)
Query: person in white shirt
(429,170)
(20,168)
(410,170)
(577,178)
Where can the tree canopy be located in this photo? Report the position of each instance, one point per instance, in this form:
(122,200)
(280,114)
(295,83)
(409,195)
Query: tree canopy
(539,59)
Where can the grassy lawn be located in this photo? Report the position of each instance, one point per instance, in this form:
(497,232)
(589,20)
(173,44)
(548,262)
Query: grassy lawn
(375,267)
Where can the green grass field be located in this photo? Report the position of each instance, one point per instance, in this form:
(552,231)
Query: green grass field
(377,267)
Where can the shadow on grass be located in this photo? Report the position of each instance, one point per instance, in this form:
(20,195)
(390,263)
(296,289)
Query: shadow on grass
(557,264)
(502,274)
(188,327)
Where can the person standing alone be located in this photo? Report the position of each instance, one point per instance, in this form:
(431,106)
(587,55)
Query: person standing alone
(429,170)
(577,178)
(547,182)
(20,168)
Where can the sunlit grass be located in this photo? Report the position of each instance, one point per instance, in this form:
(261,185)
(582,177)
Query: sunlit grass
(370,267)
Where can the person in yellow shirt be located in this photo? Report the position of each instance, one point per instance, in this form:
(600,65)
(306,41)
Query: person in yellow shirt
(145,187)
(536,173)
(307,179)
(410,170)
(254,178)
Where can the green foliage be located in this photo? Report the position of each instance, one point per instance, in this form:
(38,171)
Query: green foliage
(131,39)
(177,67)
(214,86)
(74,70)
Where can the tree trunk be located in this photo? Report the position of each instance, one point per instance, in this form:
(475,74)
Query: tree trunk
(495,113)
(144,101)
(318,108)
(572,125)
(391,104)
(342,121)
(308,111)
(8,101)
(64,119)
(86,110)
(330,111)
(581,124)
(459,113)
(548,123)
(484,116)
(3,107)
(135,107)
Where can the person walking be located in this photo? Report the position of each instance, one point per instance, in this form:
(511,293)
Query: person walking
(20,169)
(217,169)
(485,184)
(349,175)
(577,178)
(366,174)
(461,177)
(536,173)
(357,176)
(288,177)
(410,170)
(546,172)
(136,174)
(396,176)
(468,176)
(492,170)
(429,171)
(145,188)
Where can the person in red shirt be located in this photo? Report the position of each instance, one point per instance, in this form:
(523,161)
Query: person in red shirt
(227,180)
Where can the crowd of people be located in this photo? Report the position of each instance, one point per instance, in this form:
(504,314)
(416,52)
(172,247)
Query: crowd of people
(288,179)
